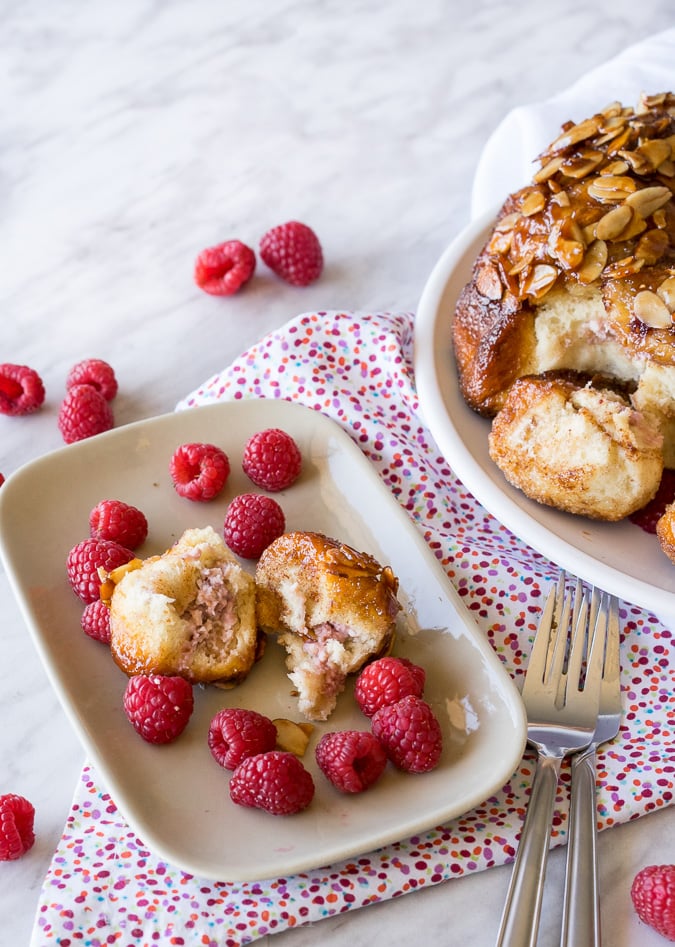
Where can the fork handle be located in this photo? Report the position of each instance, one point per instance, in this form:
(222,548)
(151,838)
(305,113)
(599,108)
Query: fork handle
(581,905)
(520,918)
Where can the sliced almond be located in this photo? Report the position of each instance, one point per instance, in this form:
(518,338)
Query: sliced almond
(615,168)
(652,310)
(534,202)
(548,170)
(488,282)
(649,199)
(655,151)
(578,166)
(614,222)
(576,133)
(292,737)
(539,281)
(610,188)
(666,291)
(507,222)
(593,263)
(620,269)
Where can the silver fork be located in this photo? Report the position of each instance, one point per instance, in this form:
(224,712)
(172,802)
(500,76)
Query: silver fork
(561,713)
(581,905)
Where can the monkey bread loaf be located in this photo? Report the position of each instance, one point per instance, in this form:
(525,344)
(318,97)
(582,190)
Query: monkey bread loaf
(578,274)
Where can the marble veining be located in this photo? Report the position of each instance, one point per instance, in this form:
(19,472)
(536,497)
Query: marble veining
(135,134)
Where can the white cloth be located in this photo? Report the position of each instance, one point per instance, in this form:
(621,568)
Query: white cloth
(507,161)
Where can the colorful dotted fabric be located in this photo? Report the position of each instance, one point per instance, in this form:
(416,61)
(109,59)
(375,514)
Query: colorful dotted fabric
(105,887)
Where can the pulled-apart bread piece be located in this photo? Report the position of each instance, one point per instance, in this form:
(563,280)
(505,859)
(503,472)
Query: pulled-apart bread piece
(579,269)
(579,448)
(333,609)
(188,612)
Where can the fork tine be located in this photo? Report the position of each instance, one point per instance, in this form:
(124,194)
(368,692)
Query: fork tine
(562,624)
(540,657)
(597,639)
(612,655)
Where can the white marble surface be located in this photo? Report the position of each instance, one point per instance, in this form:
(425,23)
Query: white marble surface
(133,134)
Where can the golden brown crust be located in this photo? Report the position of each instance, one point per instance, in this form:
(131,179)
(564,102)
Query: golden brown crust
(598,217)
(332,607)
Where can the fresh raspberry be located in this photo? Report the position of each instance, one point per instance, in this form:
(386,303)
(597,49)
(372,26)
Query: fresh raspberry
(199,471)
(83,413)
(351,759)
(157,706)
(272,459)
(120,522)
(385,681)
(276,782)
(223,269)
(252,522)
(17,818)
(95,621)
(21,389)
(653,896)
(84,561)
(2,479)
(236,733)
(94,372)
(293,252)
(410,734)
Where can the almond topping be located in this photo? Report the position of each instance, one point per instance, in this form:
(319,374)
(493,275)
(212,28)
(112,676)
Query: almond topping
(540,280)
(667,292)
(507,222)
(655,151)
(548,170)
(575,134)
(488,282)
(594,262)
(611,189)
(614,222)
(648,199)
(652,310)
(533,203)
(628,266)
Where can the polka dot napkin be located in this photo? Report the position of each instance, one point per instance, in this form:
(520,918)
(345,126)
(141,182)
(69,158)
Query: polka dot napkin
(104,886)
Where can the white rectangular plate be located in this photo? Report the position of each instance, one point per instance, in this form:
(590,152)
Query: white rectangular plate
(176,797)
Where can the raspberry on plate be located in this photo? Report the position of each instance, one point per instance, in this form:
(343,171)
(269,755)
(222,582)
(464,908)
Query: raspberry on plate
(120,522)
(410,734)
(94,372)
(95,621)
(653,897)
(385,681)
(276,782)
(236,733)
(21,389)
(272,459)
(84,561)
(292,250)
(17,818)
(352,760)
(158,706)
(84,412)
(252,522)
(199,471)
(223,269)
